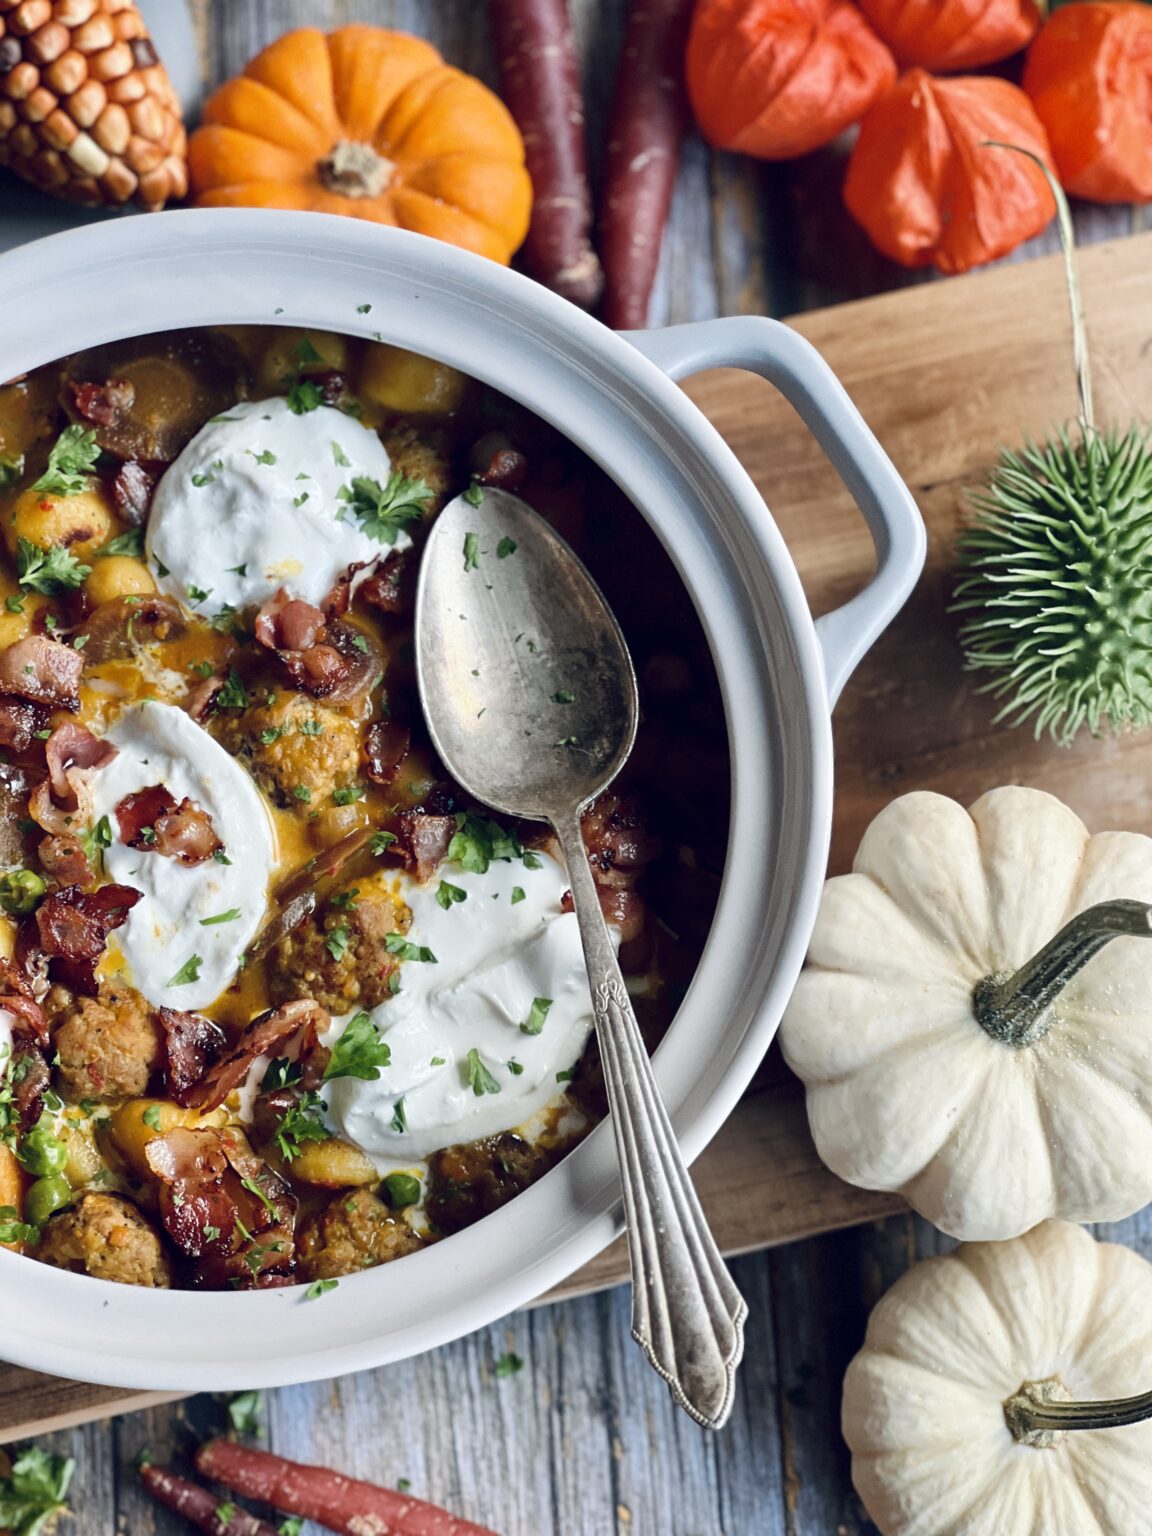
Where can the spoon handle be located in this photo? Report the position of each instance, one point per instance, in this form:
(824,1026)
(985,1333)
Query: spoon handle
(687,1315)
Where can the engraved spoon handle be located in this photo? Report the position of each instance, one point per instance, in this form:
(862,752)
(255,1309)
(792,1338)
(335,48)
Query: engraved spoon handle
(687,1314)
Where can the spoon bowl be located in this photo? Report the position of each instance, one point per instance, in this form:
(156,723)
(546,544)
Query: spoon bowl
(530,698)
(528,687)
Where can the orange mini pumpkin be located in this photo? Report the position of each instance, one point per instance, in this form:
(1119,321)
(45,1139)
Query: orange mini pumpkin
(1089,75)
(926,184)
(370,123)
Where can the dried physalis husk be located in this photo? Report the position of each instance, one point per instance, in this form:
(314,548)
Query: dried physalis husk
(87,110)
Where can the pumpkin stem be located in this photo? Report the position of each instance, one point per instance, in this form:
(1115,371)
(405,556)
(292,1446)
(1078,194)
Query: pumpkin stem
(1017,1008)
(1041,1411)
(355,170)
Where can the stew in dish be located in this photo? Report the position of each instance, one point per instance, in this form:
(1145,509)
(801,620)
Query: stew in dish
(277,1002)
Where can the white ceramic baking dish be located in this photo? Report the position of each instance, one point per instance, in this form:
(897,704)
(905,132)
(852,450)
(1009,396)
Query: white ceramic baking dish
(780,674)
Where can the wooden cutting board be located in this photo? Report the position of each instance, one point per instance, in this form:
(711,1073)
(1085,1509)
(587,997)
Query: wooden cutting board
(945,374)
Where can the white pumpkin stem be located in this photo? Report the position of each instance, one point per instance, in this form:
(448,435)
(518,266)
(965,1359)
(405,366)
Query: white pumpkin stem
(1037,1415)
(1017,1009)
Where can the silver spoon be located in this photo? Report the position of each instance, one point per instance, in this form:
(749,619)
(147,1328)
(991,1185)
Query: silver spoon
(530,699)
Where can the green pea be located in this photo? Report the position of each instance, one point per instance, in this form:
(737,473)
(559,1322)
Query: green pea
(402,1190)
(46,1196)
(41,1151)
(20,890)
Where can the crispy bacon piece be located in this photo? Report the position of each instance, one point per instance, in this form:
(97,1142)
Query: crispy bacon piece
(73,927)
(102,405)
(200,1507)
(622,909)
(391,587)
(43,670)
(62,856)
(152,820)
(386,746)
(20,720)
(133,487)
(190,1044)
(288,623)
(620,848)
(339,1503)
(117,629)
(16,995)
(223,1207)
(266,1035)
(30,1075)
(71,752)
(326,658)
(422,840)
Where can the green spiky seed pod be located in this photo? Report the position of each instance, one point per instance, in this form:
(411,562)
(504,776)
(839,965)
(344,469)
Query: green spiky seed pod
(1057,583)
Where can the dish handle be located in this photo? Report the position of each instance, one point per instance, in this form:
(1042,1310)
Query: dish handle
(797,370)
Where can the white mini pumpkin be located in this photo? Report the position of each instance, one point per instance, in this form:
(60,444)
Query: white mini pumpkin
(967,1362)
(988,1114)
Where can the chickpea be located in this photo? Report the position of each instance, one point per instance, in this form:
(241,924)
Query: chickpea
(282,361)
(118,576)
(395,380)
(80,523)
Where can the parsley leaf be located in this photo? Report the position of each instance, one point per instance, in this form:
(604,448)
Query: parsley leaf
(505,548)
(399,1118)
(188,972)
(359,1052)
(151,1117)
(479,1076)
(13,1230)
(507,1365)
(301,1122)
(478,841)
(340,457)
(381,842)
(447,894)
(397,944)
(320,1288)
(34,1491)
(11,468)
(471,551)
(337,941)
(384,511)
(130,543)
(304,396)
(538,1012)
(48,571)
(474,495)
(348,793)
(233,695)
(302,793)
(73,456)
(244,1412)
(221,917)
(518,895)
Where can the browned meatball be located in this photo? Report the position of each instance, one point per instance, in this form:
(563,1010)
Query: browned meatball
(340,957)
(297,749)
(105,1237)
(469,1181)
(107,1046)
(354,1231)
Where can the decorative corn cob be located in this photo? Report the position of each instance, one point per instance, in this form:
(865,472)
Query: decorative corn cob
(86,108)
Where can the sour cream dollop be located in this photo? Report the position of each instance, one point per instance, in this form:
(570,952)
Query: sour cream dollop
(253,504)
(172,927)
(494,959)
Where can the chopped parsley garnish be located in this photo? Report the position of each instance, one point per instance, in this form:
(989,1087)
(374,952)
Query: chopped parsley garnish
(478,841)
(384,511)
(271,734)
(95,840)
(507,1365)
(437,1061)
(225,1511)
(363,309)
(304,396)
(205,477)
(221,857)
(361,643)
(347,901)
(505,548)
(302,793)
(202,668)
(226,622)
(14,603)
(265,456)
(298,501)
(381,842)
(347,794)
(562,696)
(70,463)
(399,1118)
(447,895)
(151,1117)
(301,1122)
(474,495)
(518,895)
(80,642)
(188,972)
(337,941)
(514,1067)
(36,1488)
(130,543)
(11,468)
(537,1014)
(305,352)
(221,917)
(471,551)
(341,458)
(359,1052)
(244,1412)
(533,861)
(479,1076)
(293,1526)
(566,1077)
(233,695)
(320,1288)
(198,594)
(567,741)
(161,568)
(13,1230)
(239,570)
(397,944)
(311,728)
(48,571)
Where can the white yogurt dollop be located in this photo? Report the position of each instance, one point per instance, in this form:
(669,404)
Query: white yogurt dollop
(166,932)
(494,958)
(253,504)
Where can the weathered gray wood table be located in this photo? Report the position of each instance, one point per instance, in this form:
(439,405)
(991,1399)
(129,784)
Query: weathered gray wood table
(583,1440)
